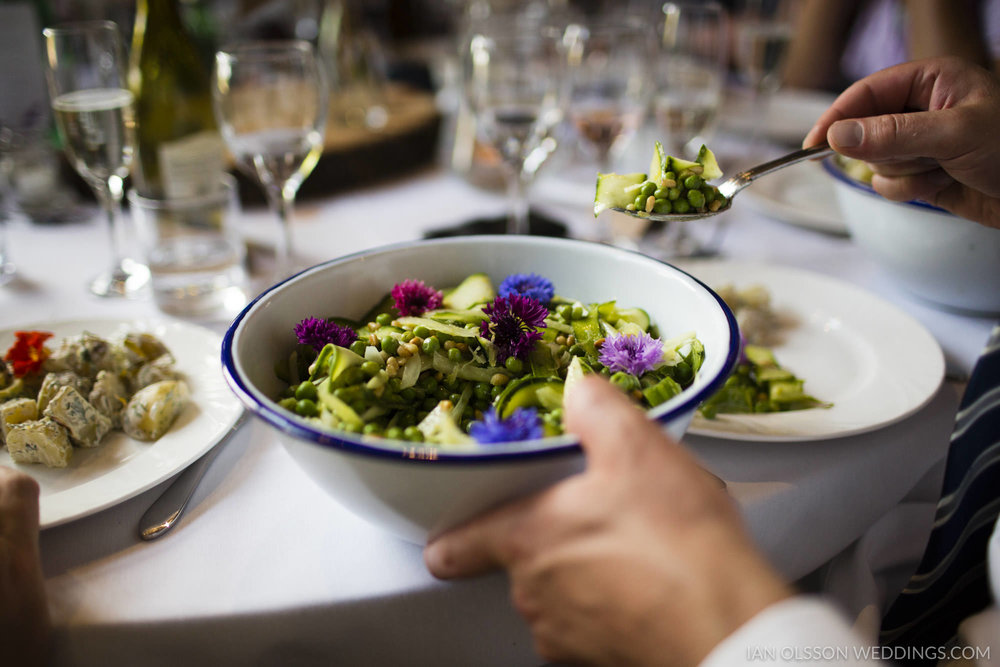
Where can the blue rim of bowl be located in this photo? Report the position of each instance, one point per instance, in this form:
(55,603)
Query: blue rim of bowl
(834,170)
(419,452)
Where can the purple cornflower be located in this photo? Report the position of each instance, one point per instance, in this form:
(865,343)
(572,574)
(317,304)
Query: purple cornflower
(513,325)
(523,424)
(414,298)
(532,285)
(318,332)
(632,354)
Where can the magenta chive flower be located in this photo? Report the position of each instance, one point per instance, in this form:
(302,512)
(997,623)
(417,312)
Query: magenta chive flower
(513,325)
(523,424)
(528,284)
(317,332)
(414,298)
(632,354)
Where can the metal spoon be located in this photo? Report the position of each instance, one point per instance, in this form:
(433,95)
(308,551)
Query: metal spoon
(731,186)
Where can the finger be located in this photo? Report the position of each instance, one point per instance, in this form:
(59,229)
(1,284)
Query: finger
(925,186)
(477,547)
(613,430)
(18,506)
(904,167)
(896,136)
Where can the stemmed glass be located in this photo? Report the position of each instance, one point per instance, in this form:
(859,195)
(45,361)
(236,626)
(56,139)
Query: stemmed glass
(763,36)
(610,81)
(516,89)
(270,100)
(93,109)
(692,73)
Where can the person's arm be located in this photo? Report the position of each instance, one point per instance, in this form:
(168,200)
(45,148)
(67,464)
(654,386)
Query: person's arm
(930,130)
(937,28)
(818,41)
(642,556)
(24,613)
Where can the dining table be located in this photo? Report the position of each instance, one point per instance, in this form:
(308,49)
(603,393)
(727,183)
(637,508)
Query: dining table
(264,568)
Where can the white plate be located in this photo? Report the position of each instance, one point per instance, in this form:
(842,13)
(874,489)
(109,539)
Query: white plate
(875,363)
(802,195)
(121,467)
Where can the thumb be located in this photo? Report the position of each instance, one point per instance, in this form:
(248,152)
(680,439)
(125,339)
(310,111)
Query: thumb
(613,430)
(892,137)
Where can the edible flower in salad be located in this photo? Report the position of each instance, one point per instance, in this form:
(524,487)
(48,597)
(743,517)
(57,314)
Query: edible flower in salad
(317,332)
(531,285)
(28,352)
(634,354)
(523,424)
(414,298)
(513,325)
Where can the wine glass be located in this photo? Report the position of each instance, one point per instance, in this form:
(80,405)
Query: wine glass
(270,100)
(516,89)
(763,36)
(94,112)
(610,81)
(692,73)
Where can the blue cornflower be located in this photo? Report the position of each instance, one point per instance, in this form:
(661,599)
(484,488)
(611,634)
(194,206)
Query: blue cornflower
(523,424)
(531,285)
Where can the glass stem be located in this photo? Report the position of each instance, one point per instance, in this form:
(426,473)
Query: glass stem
(110,196)
(281,200)
(517,186)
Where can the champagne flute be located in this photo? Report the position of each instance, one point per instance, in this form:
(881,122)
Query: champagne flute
(692,73)
(611,81)
(515,86)
(270,100)
(94,113)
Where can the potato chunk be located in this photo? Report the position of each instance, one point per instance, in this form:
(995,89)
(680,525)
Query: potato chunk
(110,397)
(14,412)
(42,441)
(53,382)
(86,425)
(152,410)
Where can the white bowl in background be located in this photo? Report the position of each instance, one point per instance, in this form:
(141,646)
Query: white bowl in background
(939,257)
(415,490)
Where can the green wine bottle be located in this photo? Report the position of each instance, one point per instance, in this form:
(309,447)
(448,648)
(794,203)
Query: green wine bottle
(178,152)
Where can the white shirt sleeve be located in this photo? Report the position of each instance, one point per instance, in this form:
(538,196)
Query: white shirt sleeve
(798,630)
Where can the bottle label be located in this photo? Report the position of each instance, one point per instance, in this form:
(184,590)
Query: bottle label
(192,166)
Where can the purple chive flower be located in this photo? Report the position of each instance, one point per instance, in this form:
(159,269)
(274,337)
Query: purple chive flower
(632,354)
(318,332)
(513,325)
(414,298)
(523,424)
(531,285)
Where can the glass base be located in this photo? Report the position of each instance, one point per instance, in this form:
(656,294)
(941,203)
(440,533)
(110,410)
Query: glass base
(128,281)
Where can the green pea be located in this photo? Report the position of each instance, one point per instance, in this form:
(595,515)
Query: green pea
(390,345)
(696,198)
(693,182)
(431,345)
(407,394)
(429,383)
(371,368)
(455,354)
(514,365)
(625,381)
(421,331)
(394,433)
(682,206)
(723,202)
(670,176)
(710,192)
(496,391)
(413,434)
(673,193)
(407,336)
(578,312)
(371,429)
(430,403)
(395,385)
(639,203)
(661,193)
(306,390)
(577,350)
(454,398)
(306,408)
(482,391)
(663,206)
(646,190)
(383,319)
(358,347)
(565,311)
(289,391)
(287,403)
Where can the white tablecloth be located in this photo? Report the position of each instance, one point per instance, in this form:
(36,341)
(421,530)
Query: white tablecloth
(265,569)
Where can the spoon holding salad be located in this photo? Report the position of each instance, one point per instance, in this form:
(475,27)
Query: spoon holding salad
(675,190)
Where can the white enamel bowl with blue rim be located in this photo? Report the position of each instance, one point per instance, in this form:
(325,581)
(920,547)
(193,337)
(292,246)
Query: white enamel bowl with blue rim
(416,490)
(937,256)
